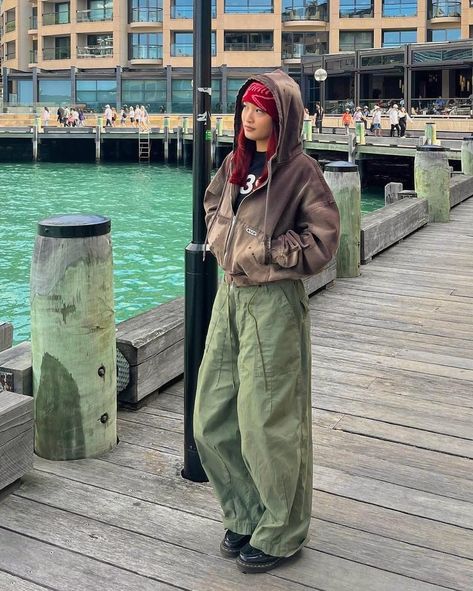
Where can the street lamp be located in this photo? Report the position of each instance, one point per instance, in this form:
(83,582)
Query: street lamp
(320,75)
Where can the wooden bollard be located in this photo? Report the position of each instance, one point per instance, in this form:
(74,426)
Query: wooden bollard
(431,133)
(307,130)
(360,133)
(344,181)
(432,181)
(185,124)
(219,126)
(73,338)
(467,155)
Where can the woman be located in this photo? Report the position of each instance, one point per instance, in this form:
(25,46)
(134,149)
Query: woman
(394,120)
(376,121)
(271,220)
(403,119)
(347,120)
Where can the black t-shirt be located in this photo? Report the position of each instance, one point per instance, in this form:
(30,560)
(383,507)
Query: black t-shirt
(254,172)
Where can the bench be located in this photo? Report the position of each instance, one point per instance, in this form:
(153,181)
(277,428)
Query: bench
(152,344)
(390,224)
(16,436)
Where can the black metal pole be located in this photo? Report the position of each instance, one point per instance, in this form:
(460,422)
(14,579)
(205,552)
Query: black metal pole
(200,275)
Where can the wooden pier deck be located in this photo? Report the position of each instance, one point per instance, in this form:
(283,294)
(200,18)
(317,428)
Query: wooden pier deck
(393,430)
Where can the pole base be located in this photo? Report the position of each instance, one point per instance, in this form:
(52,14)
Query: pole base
(193,468)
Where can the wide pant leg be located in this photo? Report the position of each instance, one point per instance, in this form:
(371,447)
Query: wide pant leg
(254,432)
(216,429)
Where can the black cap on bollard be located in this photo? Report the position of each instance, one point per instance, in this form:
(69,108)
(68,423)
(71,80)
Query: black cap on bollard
(430,148)
(74,225)
(468,138)
(341,166)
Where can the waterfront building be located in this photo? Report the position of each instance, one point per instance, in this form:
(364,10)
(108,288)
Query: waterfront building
(93,52)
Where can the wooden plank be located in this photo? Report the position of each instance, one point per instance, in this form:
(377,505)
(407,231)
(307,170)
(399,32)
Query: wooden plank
(16,437)
(6,335)
(461,188)
(149,333)
(407,435)
(12,583)
(325,277)
(393,496)
(158,561)
(17,360)
(383,228)
(62,570)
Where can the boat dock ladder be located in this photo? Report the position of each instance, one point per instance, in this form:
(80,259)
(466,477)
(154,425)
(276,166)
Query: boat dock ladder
(144,146)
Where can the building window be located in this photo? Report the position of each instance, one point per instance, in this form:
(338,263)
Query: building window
(252,41)
(352,40)
(146,11)
(60,16)
(95,94)
(97,10)
(306,10)
(55,92)
(233,86)
(356,8)
(185,9)
(442,8)
(248,6)
(10,50)
(145,46)
(183,45)
(10,21)
(399,7)
(444,34)
(297,45)
(150,93)
(181,96)
(395,38)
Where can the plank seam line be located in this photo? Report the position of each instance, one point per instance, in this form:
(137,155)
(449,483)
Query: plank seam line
(126,420)
(168,450)
(447,453)
(22,578)
(390,571)
(122,493)
(390,537)
(327,491)
(396,425)
(134,572)
(304,585)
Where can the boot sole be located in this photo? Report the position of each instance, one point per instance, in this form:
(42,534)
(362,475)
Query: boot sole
(246,568)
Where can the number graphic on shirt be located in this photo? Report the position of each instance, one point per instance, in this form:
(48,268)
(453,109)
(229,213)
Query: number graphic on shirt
(250,181)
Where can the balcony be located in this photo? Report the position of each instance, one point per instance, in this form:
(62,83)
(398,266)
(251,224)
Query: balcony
(182,49)
(307,13)
(146,54)
(146,15)
(298,50)
(10,27)
(56,18)
(33,56)
(248,47)
(95,15)
(33,22)
(445,11)
(56,53)
(93,51)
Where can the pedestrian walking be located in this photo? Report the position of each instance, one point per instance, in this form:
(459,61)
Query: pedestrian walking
(45,115)
(394,120)
(347,120)
(318,117)
(271,221)
(376,121)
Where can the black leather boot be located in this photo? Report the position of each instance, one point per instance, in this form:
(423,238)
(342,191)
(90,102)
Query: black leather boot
(232,543)
(252,560)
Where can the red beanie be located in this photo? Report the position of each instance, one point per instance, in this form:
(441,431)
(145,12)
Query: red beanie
(262,97)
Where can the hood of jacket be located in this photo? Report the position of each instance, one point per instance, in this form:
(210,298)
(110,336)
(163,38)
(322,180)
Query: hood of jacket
(290,108)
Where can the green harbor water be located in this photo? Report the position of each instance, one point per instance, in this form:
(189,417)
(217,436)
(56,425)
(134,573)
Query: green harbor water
(150,208)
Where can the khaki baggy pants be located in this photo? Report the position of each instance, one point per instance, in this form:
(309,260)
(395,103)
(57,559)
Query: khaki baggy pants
(252,420)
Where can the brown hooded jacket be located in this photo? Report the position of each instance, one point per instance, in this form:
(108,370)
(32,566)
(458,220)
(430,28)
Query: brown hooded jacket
(286,228)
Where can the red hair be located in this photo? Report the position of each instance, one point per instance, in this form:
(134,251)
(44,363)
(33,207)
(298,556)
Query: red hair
(243,155)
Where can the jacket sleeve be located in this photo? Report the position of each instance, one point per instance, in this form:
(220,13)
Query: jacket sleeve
(314,240)
(214,191)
